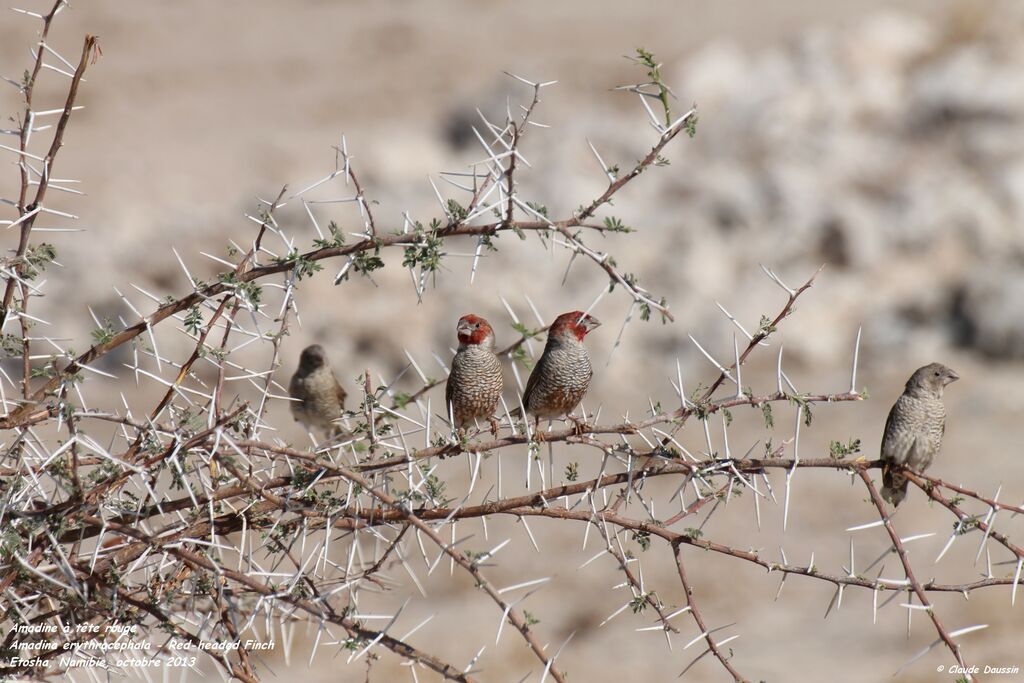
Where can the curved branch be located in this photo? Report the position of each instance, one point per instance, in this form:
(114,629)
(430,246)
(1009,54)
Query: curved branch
(915,585)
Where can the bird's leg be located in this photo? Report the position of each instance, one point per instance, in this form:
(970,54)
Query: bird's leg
(494,426)
(579,425)
(537,434)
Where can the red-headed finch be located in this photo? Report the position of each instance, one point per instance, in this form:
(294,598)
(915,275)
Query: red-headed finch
(320,399)
(913,432)
(562,375)
(474,383)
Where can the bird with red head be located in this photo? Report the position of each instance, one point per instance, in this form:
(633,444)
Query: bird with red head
(474,382)
(563,373)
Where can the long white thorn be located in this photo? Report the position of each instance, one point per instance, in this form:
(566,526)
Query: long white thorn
(856,356)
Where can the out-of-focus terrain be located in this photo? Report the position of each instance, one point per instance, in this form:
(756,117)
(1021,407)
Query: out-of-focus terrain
(885,140)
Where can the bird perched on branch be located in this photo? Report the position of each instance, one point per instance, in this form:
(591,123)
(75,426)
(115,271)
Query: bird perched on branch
(474,383)
(562,375)
(320,399)
(913,432)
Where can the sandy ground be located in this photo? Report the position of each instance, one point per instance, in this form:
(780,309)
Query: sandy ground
(196,108)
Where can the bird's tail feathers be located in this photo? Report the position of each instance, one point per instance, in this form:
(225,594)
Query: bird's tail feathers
(894,485)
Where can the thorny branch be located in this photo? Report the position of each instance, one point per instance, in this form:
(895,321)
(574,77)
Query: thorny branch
(914,583)
(157,514)
(713,648)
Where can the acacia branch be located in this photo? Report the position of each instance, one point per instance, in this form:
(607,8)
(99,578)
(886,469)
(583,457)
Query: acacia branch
(27,214)
(699,619)
(915,585)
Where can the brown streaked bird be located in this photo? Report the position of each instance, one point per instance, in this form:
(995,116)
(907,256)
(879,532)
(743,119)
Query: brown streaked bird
(321,400)
(914,429)
(474,383)
(562,375)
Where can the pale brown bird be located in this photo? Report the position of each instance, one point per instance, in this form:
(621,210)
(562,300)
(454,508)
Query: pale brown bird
(474,383)
(562,375)
(321,400)
(914,430)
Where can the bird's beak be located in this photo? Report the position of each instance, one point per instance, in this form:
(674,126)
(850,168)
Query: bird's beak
(951,377)
(464,328)
(591,323)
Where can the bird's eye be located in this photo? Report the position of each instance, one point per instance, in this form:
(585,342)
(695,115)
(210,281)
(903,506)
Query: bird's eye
(937,373)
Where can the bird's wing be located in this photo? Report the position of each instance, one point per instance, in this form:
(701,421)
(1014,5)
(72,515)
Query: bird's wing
(887,434)
(897,439)
(449,389)
(296,389)
(340,392)
(531,383)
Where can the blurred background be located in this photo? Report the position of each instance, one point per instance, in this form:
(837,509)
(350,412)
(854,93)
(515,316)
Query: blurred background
(882,139)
